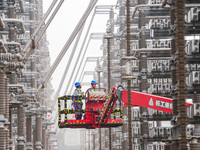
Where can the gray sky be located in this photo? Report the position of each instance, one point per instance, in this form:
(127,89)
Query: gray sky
(62,27)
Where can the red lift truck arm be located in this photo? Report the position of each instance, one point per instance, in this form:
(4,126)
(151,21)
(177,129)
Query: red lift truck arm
(149,101)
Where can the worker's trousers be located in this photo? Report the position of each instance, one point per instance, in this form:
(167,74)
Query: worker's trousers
(79,110)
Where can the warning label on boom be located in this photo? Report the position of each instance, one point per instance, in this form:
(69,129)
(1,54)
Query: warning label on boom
(151,102)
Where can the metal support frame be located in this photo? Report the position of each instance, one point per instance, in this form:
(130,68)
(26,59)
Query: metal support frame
(35,42)
(68,43)
(122,63)
(88,59)
(99,86)
(108,37)
(181,71)
(40,25)
(128,53)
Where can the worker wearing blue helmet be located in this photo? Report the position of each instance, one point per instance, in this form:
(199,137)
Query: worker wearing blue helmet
(93,84)
(78,88)
(78,102)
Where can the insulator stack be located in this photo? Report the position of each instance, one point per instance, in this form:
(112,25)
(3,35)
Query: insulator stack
(167,146)
(21,127)
(34,138)
(12,34)
(173,47)
(7,57)
(144,129)
(194,145)
(38,132)
(7,139)
(44,139)
(21,120)
(29,131)
(172,16)
(3,138)
(7,100)
(19,22)
(181,70)
(2,93)
(174,145)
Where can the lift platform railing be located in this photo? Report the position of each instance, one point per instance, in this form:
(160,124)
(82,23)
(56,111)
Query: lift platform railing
(109,104)
(67,111)
(108,108)
(72,111)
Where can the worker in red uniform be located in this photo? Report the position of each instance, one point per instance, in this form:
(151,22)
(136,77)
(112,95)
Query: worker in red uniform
(78,101)
(93,84)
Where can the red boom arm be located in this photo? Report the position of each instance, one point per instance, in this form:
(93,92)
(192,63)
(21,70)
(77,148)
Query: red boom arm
(149,101)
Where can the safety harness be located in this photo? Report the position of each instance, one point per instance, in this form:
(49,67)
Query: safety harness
(79,93)
(74,100)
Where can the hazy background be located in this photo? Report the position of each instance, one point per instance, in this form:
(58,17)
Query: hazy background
(62,27)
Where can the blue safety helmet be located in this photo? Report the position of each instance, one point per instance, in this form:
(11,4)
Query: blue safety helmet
(93,82)
(77,84)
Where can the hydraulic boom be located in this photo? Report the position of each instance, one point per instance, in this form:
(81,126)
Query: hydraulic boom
(149,101)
